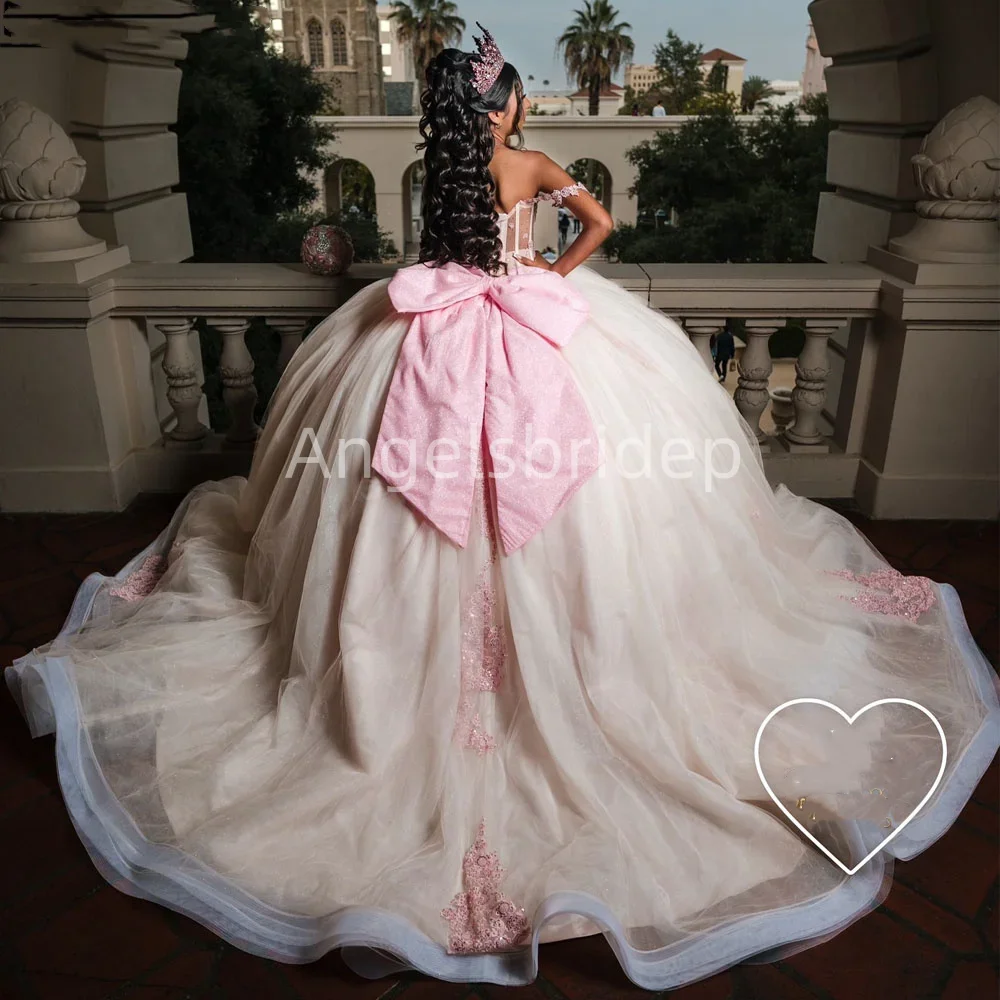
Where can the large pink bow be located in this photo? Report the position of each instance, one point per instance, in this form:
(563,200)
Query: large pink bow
(481,359)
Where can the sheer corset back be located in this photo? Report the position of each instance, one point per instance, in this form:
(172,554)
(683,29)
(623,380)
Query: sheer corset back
(517,227)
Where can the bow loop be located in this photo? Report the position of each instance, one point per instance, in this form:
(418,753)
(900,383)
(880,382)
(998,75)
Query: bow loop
(472,377)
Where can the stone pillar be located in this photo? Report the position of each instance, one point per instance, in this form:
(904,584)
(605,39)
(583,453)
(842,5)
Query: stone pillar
(68,380)
(117,99)
(883,106)
(932,438)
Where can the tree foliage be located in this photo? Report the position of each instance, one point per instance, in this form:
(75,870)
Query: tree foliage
(755,90)
(428,27)
(594,47)
(246,137)
(679,66)
(740,193)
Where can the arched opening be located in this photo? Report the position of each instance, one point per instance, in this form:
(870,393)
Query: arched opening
(413,188)
(596,177)
(314,34)
(350,190)
(338,42)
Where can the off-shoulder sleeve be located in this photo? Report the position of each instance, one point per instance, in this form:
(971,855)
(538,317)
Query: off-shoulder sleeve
(558,197)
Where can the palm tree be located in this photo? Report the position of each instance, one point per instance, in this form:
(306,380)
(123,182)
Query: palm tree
(428,27)
(755,90)
(595,46)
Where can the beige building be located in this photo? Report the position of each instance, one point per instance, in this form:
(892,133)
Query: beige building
(402,90)
(612,100)
(340,39)
(813,75)
(735,67)
(640,77)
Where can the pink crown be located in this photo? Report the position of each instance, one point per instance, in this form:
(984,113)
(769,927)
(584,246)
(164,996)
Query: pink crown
(486,70)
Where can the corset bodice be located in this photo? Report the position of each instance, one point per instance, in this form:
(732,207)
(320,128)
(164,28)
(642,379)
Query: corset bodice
(517,227)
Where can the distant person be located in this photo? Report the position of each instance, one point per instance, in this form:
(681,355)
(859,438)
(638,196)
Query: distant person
(635,110)
(725,351)
(576,226)
(659,111)
(563,227)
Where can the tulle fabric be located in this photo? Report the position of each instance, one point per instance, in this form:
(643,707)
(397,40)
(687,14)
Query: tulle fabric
(282,739)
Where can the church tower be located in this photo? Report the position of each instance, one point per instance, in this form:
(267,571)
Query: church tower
(339,39)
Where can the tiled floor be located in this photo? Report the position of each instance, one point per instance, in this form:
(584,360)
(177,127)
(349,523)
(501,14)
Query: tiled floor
(66,935)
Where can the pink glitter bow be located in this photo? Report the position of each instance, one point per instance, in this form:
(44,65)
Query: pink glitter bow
(491,61)
(480,364)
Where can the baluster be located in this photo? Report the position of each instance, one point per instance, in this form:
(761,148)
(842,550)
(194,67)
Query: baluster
(184,391)
(290,331)
(701,329)
(809,394)
(236,370)
(754,373)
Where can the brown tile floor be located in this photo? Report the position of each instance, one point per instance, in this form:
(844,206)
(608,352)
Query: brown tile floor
(66,935)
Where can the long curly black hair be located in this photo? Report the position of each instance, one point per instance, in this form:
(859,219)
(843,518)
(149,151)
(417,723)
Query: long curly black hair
(459,197)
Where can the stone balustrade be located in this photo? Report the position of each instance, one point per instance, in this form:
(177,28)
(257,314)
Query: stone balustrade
(163,304)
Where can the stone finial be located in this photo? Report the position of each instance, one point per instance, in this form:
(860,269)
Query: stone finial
(40,169)
(40,172)
(958,171)
(958,166)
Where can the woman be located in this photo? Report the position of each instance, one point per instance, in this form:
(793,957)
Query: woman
(475,701)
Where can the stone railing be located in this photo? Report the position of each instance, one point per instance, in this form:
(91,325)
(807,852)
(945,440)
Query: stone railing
(816,452)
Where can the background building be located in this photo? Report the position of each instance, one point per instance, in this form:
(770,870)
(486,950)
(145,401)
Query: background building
(612,100)
(340,40)
(813,76)
(402,94)
(640,77)
(551,102)
(735,67)
(785,92)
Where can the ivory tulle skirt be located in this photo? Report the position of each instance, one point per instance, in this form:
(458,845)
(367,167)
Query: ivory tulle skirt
(308,720)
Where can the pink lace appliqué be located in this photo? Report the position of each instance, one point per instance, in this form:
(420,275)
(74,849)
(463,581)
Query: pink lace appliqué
(141,581)
(889,592)
(482,919)
(558,197)
(484,649)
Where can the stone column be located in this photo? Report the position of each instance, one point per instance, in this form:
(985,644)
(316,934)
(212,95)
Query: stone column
(116,97)
(67,381)
(883,106)
(932,437)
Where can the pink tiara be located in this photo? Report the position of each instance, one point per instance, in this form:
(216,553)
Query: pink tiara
(487,68)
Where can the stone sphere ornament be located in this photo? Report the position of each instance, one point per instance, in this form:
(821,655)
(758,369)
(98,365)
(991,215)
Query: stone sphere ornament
(327,250)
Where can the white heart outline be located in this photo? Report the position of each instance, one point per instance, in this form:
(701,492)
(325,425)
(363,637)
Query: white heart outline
(850,721)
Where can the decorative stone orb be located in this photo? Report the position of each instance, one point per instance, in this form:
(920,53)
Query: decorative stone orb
(327,250)
(38,162)
(959,163)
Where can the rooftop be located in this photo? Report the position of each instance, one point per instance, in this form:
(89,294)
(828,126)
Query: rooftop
(714,55)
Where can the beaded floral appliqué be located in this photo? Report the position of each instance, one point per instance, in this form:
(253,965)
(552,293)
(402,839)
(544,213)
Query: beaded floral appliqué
(889,592)
(482,919)
(140,582)
(558,197)
(484,649)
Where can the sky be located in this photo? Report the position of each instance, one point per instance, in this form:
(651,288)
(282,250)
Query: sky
(769,34)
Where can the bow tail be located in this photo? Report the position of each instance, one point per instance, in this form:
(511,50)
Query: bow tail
(432,423)
(543,444)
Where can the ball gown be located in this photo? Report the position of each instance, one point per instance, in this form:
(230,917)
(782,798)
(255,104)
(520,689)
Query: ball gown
(438,725)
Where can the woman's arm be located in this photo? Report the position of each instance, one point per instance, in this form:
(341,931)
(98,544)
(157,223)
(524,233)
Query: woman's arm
(597,223)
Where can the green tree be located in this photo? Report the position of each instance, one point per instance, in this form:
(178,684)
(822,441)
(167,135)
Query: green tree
(740,193)
(594,47)
(428,27)
(718,78)
(755,90)
(246,136)
(679,65)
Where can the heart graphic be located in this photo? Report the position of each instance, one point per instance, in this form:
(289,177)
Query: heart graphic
(850,720)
